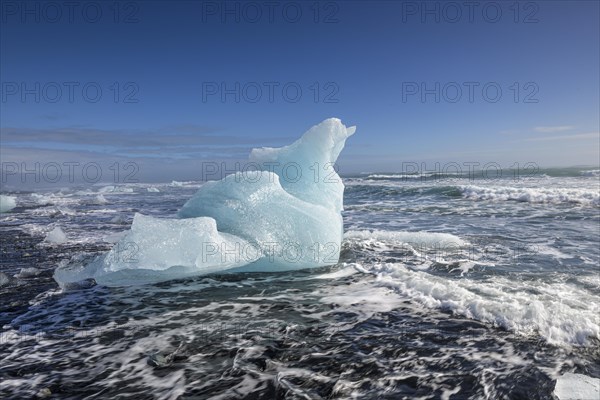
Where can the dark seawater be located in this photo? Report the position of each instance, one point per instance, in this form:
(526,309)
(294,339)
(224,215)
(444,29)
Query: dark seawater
(448,287)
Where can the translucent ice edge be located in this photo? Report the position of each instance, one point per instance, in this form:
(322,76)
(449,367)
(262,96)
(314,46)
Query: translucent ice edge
(7,203)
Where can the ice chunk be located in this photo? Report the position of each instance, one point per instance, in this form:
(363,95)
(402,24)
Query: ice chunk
(5,280)
(114,237)
(158,249)
(28,272)
(577,387)
(7,203)
(159,244)
(285,214)
(291,208)
(100,200)
(117,220)
(56,236)
(79,285)
(307,167)
(115,189)
(291,233)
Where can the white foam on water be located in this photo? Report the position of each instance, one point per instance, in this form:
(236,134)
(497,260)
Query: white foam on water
(347,270)
(532,195)
(590,172)
(53,199)
(413,176)
(130,360)
(562,313)
(103,211)
(66,211)
(361,298)
(420,238)
(184,184)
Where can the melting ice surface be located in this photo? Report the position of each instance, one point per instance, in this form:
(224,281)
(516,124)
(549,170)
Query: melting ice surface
(282,213)
(577,387)
(7,203)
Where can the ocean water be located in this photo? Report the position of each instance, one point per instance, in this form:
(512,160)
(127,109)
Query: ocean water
(448,286)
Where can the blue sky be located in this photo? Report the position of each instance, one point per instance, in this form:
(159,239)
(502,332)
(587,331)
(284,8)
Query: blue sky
(169,73)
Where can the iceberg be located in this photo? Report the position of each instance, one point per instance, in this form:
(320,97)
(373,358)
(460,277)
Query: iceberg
(7,203)
(56,236)
(577,387)
(157,249)
(281,213)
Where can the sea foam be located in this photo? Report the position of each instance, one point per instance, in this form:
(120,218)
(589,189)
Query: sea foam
(532,195)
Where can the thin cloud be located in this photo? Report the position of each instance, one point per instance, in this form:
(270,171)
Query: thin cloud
(580,136)
(167,137)
(553,129)
(55,116)
(509,132)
